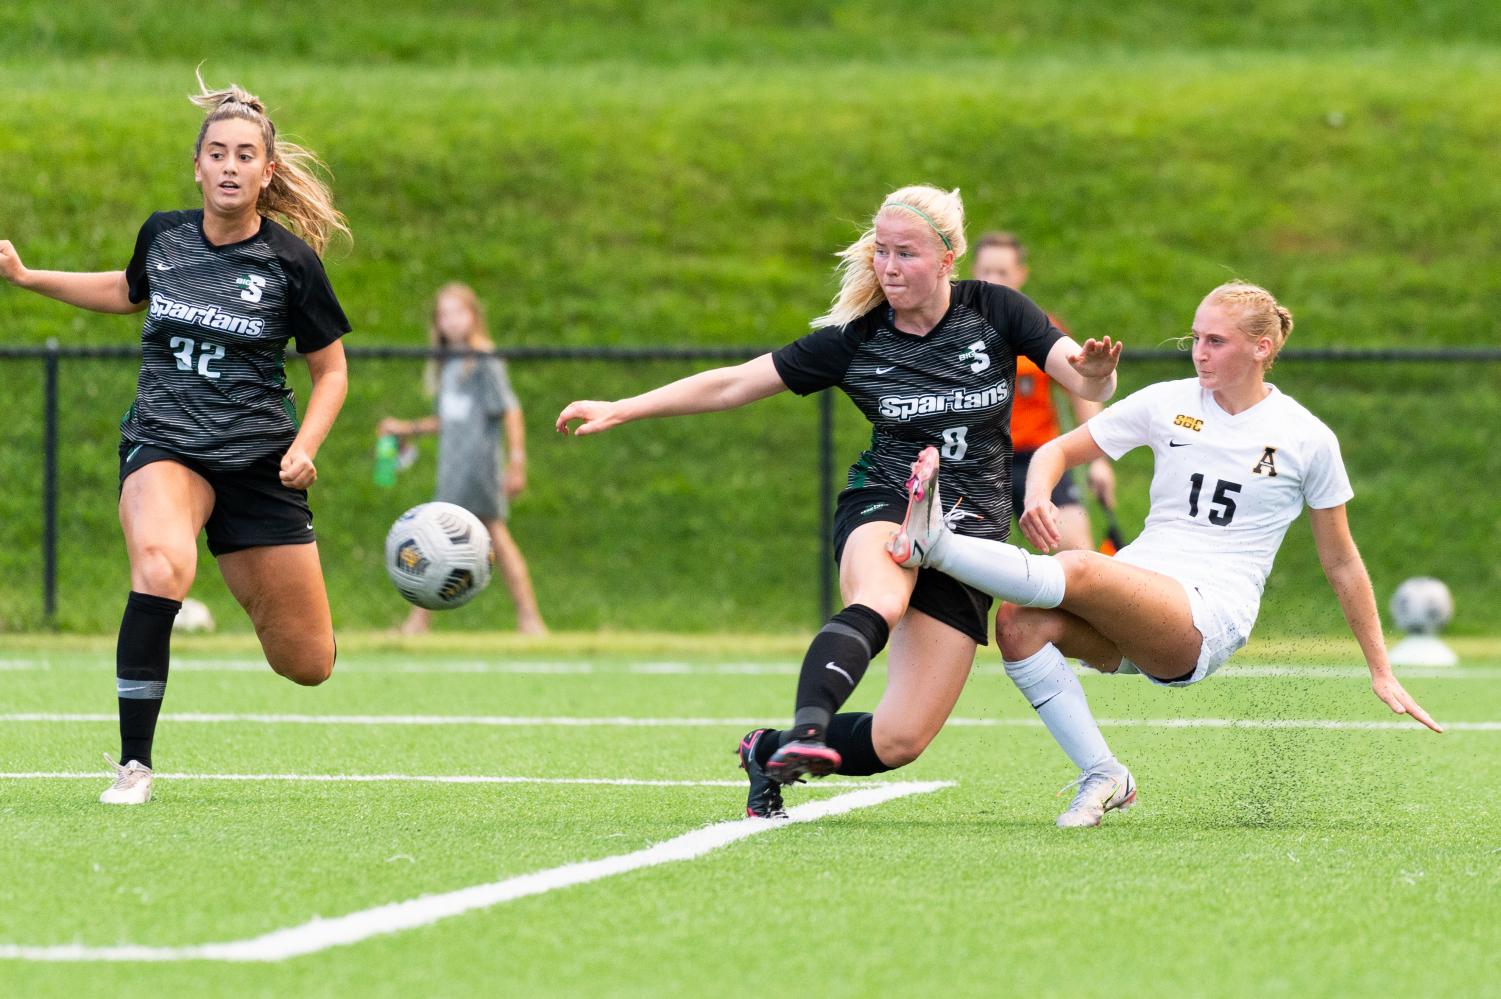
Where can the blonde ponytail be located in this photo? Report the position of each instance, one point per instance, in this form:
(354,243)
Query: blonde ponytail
(859,288)
(297,194)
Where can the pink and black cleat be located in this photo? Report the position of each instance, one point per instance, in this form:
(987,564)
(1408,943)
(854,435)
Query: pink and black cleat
(797,760)
(923,524)
(765,800)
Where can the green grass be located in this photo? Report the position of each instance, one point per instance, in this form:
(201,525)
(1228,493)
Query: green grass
(1259,861)
(682,175)
(692,31)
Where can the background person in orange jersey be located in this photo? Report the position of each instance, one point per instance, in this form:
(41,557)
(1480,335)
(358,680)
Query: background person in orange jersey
(1000,258)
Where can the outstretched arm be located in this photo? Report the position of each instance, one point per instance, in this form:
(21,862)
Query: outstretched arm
(1088,371)
(706,392)
(408,428)
(103,291)
(1352,585)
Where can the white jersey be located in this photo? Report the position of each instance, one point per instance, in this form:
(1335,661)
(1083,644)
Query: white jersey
(1224,488)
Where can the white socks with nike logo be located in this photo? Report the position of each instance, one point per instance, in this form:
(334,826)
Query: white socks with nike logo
(1002,570)
(1050,686)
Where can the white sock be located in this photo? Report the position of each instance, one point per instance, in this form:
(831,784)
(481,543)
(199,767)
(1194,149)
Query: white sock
(1045,680)
(1001,570)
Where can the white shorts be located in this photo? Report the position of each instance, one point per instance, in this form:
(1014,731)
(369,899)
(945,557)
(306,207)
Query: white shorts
(1223,636)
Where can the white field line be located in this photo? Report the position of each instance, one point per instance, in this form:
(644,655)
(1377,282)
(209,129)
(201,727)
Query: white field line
(527,667)
(457,666)
(509,721)
(321,934)
(835,784)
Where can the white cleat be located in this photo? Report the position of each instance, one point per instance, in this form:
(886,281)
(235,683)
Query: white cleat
(132,784)
(923,525)
(1099,792)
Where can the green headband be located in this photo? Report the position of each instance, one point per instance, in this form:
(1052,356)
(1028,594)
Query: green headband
(922,215)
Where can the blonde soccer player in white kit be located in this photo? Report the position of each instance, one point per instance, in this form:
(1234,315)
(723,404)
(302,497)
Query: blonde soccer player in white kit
(1235,462)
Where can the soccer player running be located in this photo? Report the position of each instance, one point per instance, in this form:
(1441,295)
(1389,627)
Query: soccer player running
(475,472)
(929,361)
(1001,258)
(1235,463)
(212,441)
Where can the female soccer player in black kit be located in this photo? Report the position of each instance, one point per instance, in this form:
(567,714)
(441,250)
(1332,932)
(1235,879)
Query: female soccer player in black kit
(929,362)
(212,441)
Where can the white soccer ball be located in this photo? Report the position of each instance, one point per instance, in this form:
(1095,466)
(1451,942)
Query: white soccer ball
(439,555)
(1422,605)
(194,616)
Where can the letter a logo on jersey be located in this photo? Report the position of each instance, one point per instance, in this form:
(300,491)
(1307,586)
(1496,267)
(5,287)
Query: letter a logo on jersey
(1268,464)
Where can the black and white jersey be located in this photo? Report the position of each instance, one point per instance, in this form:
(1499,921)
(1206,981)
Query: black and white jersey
(950,388)
(213,385)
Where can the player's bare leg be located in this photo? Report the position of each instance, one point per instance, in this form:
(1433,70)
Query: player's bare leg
(927,665)
(873,588)
(1145,614)
(281,588)
(163,506)
(418,622)
(518,578)
(1074,528)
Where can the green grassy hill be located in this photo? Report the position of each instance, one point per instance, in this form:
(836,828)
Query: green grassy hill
(683,177)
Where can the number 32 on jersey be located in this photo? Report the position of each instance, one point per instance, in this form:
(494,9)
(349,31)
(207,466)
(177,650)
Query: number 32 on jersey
(182,349)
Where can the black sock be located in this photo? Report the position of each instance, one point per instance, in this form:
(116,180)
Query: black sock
(141,670)
(836,660)
(770,742)
(850,735)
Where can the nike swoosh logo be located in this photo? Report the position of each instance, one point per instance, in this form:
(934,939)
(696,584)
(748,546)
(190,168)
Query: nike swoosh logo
(841,672)
(164,267)
(126,690)
(1176,444)
(882,371)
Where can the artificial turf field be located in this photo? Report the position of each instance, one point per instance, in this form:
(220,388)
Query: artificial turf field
(1287,856)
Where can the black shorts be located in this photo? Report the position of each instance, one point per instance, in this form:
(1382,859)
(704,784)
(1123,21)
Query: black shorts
(251,506)
(961,607)
(1065,493)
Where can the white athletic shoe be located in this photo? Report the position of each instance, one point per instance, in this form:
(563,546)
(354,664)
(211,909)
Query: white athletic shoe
(132,784)
(923,525)
(1099,792)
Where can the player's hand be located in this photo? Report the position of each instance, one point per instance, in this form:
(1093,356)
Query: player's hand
(297,470)
(11,267)
(515,478)
(1097,358)
(1040,525)
(596,417)
(1400,701)
(1102,481)
(390,427)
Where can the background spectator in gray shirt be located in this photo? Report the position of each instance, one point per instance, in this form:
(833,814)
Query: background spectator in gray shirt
(477,469)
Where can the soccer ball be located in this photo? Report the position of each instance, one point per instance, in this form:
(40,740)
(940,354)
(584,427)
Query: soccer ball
(193,616)
(439,555)
(1422,605)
